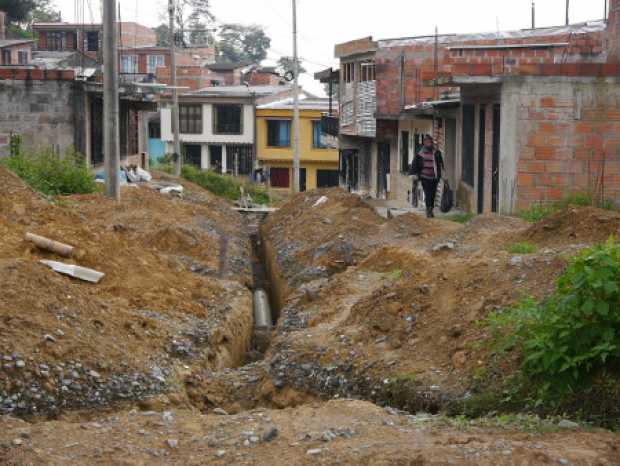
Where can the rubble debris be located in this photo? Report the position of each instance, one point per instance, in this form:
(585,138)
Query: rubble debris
(47,244)
(320,201)
(75,271)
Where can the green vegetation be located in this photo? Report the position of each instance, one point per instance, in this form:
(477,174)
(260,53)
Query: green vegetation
(537,212)
(51,173)
(463,217)
(224,186)
(522,248)
(569,341)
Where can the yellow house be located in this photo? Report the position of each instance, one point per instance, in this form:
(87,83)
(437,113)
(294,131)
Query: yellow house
(274,127)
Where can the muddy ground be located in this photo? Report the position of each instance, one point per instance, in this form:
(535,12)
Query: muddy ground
(156,365)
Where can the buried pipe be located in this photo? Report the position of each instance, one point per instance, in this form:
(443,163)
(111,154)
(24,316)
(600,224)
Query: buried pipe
(262,320)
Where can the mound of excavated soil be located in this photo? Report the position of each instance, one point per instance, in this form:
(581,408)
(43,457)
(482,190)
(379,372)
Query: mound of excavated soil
(161,304)
(576,225)
(338,432)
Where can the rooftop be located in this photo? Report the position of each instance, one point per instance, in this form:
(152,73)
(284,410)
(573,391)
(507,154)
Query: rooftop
(240,91)
(579,28)
(304,104)
(226,66)
(12,42)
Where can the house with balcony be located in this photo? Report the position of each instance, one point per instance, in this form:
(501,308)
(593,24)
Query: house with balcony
(275,153)
(217,126)
(522,117)
(87,38)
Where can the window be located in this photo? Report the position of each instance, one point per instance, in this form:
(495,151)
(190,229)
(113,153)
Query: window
(368,71)
(55,41)
(154,62)
(348,72)
(316,136)
(227,119)
(279,133)
(190,119)
(6,57)
(154,130)
(280,178)
(92,41)
(404,151)
(129,64)
(22,58)
(469,137)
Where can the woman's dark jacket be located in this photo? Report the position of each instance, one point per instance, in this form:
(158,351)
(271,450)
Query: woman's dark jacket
(418,165)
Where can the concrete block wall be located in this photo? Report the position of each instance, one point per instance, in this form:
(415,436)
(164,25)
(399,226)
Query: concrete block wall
(41,110)
(566,139)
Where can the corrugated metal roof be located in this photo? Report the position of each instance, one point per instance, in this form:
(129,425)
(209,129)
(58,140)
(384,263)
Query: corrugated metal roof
(13,42)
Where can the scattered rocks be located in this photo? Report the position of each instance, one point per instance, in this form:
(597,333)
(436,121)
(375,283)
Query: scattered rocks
(314,452)
(270,435)
(566,424)
(220,412)
(172,444)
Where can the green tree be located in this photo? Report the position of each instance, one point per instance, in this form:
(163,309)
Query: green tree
(238,43)
(334,90)
(163,35)
(22,13)
(288,65)
(18,11)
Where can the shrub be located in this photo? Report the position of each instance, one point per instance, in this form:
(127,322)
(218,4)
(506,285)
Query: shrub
(568,341)
(537,212)
(53,174)
(224,186)
(522,248)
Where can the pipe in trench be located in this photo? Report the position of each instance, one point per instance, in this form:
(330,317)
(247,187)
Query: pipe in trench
(262,320)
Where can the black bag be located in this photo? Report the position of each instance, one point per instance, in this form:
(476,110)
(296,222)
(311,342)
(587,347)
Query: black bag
(447,198)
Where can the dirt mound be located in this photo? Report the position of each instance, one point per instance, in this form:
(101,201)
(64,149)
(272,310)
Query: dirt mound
(160,306)
(577,225)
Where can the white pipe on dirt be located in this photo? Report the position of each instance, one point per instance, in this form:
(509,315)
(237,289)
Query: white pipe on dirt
(262,310)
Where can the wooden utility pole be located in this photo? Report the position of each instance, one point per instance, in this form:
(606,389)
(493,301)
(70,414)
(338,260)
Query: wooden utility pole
(175,95)
(111,146)
(297,159)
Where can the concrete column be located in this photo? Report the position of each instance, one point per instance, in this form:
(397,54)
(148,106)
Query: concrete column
(224,159)
(613,31)
(204,156)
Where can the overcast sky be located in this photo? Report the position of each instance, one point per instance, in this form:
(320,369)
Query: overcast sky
(323,23)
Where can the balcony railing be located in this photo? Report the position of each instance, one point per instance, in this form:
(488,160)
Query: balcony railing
(330,125)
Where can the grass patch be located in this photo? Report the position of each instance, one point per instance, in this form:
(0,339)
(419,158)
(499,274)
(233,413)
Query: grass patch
(522,248)
(53,174)
(463,217)
(537,212)
(225,186)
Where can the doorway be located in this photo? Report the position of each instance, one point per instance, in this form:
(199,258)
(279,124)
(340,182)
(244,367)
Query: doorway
(383,169)
(481,154)
(495,160)
(302,180)
(349,169)
(193,154)
(215,158)
(450,148)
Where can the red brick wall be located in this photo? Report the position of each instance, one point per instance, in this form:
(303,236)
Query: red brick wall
(419,64)
(136,35)
(569,145)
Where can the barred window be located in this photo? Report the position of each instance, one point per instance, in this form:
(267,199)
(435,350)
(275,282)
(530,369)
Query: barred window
(190,119)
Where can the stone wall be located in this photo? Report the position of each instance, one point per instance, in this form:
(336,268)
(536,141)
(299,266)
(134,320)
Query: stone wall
(43,112)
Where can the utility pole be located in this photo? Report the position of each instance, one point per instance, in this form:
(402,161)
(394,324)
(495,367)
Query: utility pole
(175,95)
(533,14)
(297,159)
(567,12)
(111,146)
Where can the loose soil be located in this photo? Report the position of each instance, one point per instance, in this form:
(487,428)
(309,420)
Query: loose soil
(154,364)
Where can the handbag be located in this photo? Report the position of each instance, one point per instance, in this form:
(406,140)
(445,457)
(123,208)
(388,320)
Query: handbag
(447,198)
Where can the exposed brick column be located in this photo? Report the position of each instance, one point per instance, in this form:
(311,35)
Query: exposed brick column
(2,25)
(613,31)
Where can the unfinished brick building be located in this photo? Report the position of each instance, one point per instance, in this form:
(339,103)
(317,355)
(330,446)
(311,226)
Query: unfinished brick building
(522,117)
